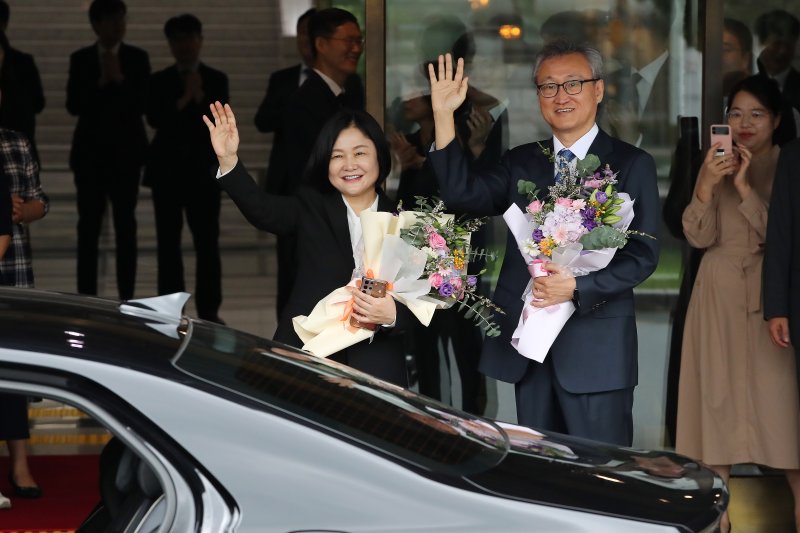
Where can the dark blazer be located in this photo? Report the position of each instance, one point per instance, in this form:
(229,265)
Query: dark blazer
(181,138)
(324,257)
(281,86)
(782,255)
(791,88)
(597,349)
(269,118)
(22,93)
(110,127)
(308,110)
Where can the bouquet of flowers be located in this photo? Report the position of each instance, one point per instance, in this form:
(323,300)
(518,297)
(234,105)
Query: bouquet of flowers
(422,257)
(446,243)
(580,224)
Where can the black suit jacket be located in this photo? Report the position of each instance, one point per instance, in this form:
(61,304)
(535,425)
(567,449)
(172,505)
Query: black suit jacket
(269,118)
(324,256)
(22,93)
(181,145)
(110,130)
(791,88)
(782,255)
(597,349)
(308,110)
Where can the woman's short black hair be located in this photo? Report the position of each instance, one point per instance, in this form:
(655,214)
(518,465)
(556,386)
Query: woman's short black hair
(766,91)
(316,173)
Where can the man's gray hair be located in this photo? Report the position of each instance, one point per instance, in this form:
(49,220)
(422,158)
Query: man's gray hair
(560,48)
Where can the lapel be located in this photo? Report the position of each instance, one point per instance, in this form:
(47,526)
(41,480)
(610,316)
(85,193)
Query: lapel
(601,147)
(336,214)
(544,169)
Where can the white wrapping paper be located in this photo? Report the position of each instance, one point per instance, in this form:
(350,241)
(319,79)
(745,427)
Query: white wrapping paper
(538,328)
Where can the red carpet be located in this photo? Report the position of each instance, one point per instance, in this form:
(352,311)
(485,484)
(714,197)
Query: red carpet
(69,486)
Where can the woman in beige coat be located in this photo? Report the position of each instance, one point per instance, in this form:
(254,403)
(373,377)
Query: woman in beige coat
(737,398)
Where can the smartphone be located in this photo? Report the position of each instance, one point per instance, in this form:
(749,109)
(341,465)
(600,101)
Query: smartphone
(721,133)
(375,288)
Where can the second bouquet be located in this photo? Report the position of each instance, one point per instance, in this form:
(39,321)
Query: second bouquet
(421,259)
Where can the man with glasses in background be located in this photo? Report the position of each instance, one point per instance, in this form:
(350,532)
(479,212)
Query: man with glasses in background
(336,46)
(585,385)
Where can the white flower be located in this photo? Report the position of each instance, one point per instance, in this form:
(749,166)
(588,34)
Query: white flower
(530,247)
(564,225)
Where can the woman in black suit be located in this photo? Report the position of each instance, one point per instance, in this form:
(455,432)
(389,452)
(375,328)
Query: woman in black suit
(348,164)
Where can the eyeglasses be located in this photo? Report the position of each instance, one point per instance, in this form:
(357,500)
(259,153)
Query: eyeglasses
(351,41)
(571,87)
(756,116)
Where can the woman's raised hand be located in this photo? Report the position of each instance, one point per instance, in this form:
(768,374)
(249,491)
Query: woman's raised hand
(740,178)
(712,171)
(448,90)
(224,135)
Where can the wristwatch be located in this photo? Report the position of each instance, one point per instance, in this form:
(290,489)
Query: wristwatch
(576,298)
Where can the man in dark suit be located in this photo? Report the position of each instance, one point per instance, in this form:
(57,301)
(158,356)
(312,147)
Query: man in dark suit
(782,254)
(585,385)
(778,32)
(180,165)
(638,109)
(335,46)
(20,84)
(106,90)
(269,118)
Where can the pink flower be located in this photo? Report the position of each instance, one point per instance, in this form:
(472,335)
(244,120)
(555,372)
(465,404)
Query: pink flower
(436,241)
(455,281)
(592,184)
(435,280)
(578,204)
(566,202)
(535,206)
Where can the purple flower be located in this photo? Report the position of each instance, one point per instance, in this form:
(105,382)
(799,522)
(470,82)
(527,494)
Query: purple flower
(446,289)
(601,197)
(537,235)
(589,213)
(472,280)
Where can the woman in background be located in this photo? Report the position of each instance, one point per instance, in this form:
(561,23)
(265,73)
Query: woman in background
(737,398)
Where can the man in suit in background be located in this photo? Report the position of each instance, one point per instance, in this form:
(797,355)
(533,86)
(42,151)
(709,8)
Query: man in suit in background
(778,32)
(281,86)
(269,118)
(181,165)
(106,90)
(21,86)
(782,254)
(585,385)
(335,46)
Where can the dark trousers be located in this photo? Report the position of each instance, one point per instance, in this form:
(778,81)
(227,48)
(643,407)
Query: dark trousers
(200,202)
(542,403)
(13,417)
(449,325)
(94,190)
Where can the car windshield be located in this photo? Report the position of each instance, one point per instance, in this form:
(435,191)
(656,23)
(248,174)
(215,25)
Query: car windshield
(373,413)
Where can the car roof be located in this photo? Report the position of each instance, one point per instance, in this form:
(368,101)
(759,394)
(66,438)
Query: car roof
(87,328)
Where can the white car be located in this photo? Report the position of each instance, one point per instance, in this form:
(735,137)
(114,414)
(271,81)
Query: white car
(217,430)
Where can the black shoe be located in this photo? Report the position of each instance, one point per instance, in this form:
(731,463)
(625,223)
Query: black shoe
(24,492)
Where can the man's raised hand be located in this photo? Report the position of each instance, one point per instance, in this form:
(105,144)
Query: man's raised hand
(448,90)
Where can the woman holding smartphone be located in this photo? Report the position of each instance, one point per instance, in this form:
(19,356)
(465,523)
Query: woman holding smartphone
(737,399)
(343,177)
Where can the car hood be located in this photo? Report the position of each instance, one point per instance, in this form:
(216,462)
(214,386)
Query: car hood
(584,475)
